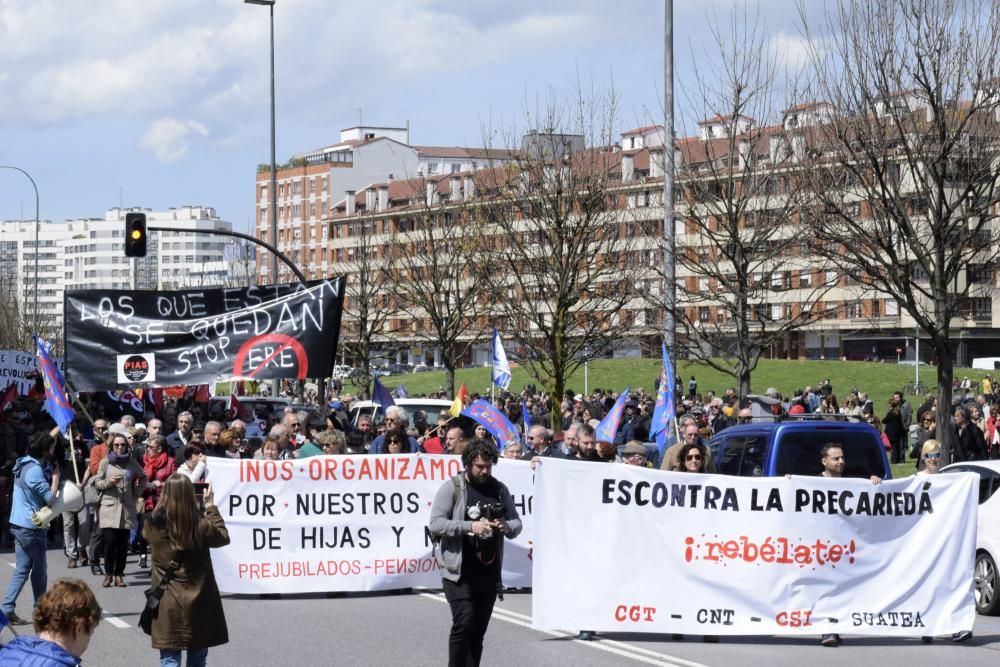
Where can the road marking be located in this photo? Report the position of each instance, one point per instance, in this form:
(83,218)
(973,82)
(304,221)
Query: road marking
(115,621)
(607,645)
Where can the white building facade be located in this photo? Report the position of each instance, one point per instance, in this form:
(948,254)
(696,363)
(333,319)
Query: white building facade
(89,253)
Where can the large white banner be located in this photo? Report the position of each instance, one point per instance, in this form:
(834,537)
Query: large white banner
(639,550)
(344,523)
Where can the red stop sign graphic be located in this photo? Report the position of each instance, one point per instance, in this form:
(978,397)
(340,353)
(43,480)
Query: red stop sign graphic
(281,342)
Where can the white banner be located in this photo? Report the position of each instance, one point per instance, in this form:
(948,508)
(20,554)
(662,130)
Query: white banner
(16,367)
(344,523)
(641,550)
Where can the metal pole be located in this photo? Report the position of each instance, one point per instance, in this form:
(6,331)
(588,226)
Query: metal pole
(275,253)
(34,324)
(669,289)
(273,192)
(916,365)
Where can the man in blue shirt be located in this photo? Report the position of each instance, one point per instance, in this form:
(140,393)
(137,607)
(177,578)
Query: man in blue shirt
(31,493)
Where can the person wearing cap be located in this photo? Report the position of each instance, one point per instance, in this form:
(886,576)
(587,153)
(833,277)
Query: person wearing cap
(630,423)
(634,454)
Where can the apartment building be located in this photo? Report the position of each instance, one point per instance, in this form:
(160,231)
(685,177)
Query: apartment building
(88,253)
(314,181)
(849,320)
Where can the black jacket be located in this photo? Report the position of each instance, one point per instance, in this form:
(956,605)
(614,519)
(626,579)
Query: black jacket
(970,444)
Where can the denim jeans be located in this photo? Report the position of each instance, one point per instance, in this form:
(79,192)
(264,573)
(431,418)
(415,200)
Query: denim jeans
(196,658)
(29,554)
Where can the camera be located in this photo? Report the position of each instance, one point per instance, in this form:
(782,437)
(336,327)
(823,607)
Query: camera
(486,511)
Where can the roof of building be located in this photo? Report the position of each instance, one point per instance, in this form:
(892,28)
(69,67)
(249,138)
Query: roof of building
(643,130)
(464,152)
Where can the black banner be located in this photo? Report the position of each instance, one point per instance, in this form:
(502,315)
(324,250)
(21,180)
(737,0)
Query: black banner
(137,338)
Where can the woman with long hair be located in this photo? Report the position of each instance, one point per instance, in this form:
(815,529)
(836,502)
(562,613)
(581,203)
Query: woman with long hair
(190,616)
(691,458)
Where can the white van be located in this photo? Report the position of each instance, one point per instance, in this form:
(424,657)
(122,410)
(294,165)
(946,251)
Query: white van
(987,363)
(431,406)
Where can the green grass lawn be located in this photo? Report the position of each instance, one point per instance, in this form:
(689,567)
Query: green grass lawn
(878,379)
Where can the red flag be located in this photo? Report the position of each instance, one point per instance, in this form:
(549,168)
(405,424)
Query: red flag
(155,398)
(202,395)
(234,407)
(6,398)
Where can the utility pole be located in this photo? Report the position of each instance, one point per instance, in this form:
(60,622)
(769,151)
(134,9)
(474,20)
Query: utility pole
(669,289)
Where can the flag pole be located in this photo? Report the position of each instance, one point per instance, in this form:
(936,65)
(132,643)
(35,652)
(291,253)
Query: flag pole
(72,454)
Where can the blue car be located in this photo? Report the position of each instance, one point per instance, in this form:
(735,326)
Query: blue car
(779,448)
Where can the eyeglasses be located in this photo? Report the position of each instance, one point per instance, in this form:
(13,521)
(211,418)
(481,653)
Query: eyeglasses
(693,457)
(635,456)
(933,457)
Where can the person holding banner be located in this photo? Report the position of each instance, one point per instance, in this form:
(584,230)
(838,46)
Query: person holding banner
(930,454)
(832,459)
(471,515)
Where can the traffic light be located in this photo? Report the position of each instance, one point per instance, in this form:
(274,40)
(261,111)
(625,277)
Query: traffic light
(135,234)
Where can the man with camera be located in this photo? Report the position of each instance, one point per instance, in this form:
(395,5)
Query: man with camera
(471,514)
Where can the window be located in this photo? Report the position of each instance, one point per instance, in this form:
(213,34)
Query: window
(989,482)
(312,186)
(979,274)
(742,456)
(854,310)
(805,278)
(891,307)
(704,313)
(831,278)
(297,187)
(456,167)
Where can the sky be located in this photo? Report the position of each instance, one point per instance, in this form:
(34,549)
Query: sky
(160,103)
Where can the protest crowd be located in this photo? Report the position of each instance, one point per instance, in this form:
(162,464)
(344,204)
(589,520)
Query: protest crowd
(128,447)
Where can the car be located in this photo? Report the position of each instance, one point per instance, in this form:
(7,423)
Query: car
(398,369)
(430,406)
(987,580)
(791,447)
(422,368)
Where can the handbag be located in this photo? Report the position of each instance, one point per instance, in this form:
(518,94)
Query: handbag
(153,596)
(91,496)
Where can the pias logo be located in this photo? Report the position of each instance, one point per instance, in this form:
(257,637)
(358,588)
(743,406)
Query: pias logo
(136,368)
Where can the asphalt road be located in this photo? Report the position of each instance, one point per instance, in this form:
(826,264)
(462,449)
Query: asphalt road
(411,629)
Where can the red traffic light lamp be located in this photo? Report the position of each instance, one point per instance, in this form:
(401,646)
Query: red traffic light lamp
(135,234)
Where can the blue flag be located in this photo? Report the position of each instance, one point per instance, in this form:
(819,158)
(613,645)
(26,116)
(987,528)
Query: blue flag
(401,391)
(665,409)
(525,416)
(493,421)
(56,403)
(381,395)
(608,427)
(501,369)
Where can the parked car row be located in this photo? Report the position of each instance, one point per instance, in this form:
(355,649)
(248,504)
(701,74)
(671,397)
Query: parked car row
(381,370)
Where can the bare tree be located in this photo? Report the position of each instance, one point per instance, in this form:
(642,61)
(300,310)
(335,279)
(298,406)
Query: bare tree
(436,265)
(905,169)
(566,256)
(746,286)
(368,301)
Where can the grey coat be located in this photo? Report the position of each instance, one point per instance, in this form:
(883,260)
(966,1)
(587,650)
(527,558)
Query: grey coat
(448,523)
(118,499)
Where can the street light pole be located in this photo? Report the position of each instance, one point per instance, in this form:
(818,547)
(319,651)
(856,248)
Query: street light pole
(34,323)
(273,188)
(669,323)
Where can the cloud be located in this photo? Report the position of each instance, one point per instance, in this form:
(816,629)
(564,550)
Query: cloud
(169,139)
(794,52)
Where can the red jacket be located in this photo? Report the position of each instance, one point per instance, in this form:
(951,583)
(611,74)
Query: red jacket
(157,473)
